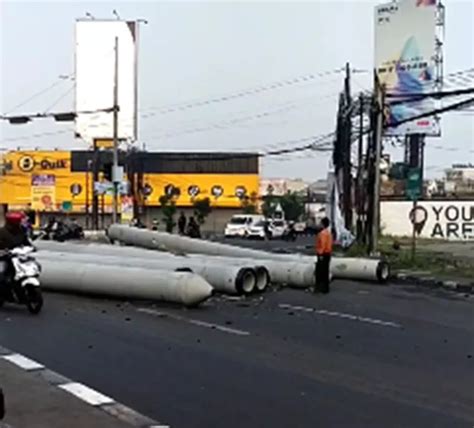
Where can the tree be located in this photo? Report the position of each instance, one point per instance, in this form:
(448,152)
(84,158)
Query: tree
(292,205)
(269,205)
(202,208)
(168,208)
(249,203)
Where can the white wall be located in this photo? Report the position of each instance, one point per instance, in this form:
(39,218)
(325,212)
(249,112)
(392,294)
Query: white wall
(453,220)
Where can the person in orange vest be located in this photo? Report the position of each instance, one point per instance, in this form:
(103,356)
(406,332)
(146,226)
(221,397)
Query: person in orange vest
(323,253)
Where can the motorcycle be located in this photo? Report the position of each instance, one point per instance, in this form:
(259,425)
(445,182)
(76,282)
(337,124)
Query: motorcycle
(19,279)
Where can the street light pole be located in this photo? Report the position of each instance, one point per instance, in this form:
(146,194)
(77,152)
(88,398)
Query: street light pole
(115,168)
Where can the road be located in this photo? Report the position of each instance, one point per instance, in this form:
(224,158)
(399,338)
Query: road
(363,356)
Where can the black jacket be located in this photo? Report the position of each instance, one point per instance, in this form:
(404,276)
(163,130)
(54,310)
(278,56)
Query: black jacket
(12,237)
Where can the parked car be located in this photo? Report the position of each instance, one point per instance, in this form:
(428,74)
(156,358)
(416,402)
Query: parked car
(240,225)
(276,229)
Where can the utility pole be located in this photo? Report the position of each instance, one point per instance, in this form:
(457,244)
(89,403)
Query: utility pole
(360,193)
(346,142)
(95,179)
(380,100)
(115,174)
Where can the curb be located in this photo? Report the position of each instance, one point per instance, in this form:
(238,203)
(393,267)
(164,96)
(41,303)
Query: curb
(433,283)
(89,396)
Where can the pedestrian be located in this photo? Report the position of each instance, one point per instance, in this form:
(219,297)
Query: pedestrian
(266,229)
(323,253)
(193,230)
(31,215)
(182,223)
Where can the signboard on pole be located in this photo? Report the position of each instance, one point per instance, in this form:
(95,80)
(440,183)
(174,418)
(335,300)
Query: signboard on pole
(405,61)
(95,61)
(414,184)
(43,192)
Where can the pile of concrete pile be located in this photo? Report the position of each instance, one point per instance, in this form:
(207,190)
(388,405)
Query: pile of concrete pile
(184,270)
(341,267)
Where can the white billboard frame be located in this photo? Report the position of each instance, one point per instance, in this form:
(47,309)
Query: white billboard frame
(408,59)
(94,74)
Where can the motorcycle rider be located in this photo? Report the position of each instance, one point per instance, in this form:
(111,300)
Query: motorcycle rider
(13,234)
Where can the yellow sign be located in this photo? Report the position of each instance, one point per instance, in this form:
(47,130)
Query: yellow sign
(104,143)
(43,192)
(75,185)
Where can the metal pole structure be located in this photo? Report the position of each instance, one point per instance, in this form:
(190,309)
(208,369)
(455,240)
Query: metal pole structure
(88,170)
(346,142)
(380,97)
(360,192)
(95,179)
(413,237)
(115,130)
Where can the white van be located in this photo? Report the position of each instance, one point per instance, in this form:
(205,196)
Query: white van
(240,224)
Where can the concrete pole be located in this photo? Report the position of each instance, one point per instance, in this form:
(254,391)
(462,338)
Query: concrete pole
(295,272)
(228,279)
(115,136)
(124,282)
(341,267)
(380,91)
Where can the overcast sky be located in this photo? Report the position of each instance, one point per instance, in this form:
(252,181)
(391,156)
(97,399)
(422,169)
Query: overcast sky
(199,50)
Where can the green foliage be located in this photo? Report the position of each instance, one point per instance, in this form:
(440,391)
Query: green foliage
(249,204)
(292,205)
(168,208)
(202,208)
(269,205)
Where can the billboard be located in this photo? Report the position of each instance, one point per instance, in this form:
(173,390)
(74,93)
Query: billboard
(95,72)
(405,54)
(43,192)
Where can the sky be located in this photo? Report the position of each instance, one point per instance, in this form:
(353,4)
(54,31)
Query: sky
(191,51)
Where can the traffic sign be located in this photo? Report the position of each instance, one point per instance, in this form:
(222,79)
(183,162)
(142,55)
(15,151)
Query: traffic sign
(414,184)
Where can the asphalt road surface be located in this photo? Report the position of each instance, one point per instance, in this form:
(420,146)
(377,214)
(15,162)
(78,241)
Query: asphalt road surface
(363,356)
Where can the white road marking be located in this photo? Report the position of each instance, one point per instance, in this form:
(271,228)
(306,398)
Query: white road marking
(86,394)
(195,322)
(340,315)
(23,362)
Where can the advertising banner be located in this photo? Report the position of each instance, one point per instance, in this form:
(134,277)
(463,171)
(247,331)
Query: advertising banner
(126,210)
(405,52)
(43,192)
(452,220)
(95,73)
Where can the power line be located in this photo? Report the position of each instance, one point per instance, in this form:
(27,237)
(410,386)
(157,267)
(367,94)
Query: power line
(35,95)
(244,93)
(57,115)
(435,112)
(64,95)
(29,137)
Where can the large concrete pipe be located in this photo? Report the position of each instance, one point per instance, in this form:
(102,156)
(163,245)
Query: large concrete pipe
(261,272)
(364,269)
(181,244)
(290,272)
(341,267)
(299,274)
(350,268)
(225,278)
(125,282)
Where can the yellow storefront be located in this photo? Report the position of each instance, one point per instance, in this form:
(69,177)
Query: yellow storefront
(62,181)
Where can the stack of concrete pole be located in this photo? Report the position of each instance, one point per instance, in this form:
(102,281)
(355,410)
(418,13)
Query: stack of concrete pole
(123,281)
(238,278)
(222,272)
(343,267)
